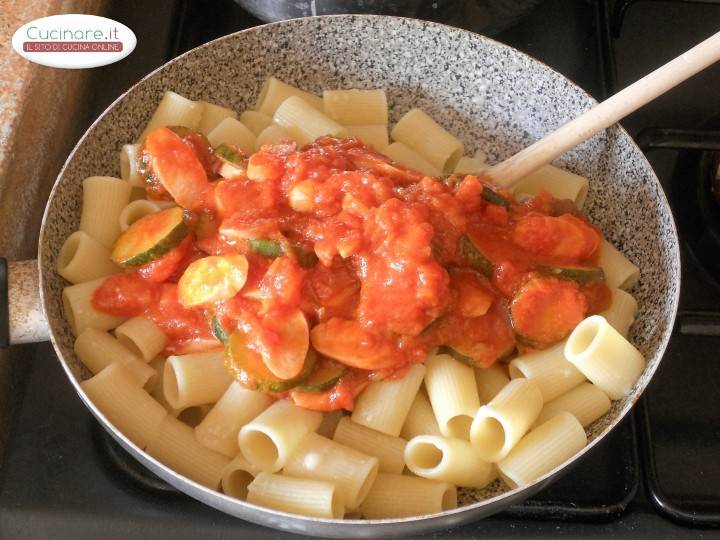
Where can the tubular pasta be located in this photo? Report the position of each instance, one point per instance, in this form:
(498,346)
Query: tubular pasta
(604,356)
(82,258)
(423,135)
(549,369)
(371,406)
(398,496)
(296,495)
(453,394)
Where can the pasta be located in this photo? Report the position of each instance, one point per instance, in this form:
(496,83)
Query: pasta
(134,211)
(375,135)
(543,449)
(560,183)
(104,198)
(350,471)
(256,121)
(231,131)
(604,356)
(296,495)
(128,165)
(236,407)
(490,381)
(371,408)
(453,394)
(212,115)
(420,419)
(621,312)
(97,349)
(423,135)
(356,107)
(330,271)
(397,496)
(499,425)
(173,110)
(389,450)
(619,271)
(195,379)
(80,312)
(469,165)
(82,258)
(174,444)
(549,369)
(268,441)
(397,151)
(585,402)
(141,336)
(447,460)
(237,476)
(274,92)
(272,135)
(115,392)
(303,122)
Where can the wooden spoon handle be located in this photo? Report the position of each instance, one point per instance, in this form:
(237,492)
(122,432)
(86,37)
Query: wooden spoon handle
(605,114)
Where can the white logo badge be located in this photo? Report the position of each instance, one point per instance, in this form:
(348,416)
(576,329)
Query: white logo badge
(74,41)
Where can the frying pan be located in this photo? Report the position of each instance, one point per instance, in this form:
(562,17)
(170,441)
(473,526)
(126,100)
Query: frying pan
(495,98)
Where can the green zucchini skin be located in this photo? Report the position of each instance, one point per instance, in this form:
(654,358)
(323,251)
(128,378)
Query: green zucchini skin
(134,248)
(477,260)
(579,274)
(218,331)
(446,349)
(324,376)
(274,248)
(493,197)
(266,247)
(251,372)
(234,162)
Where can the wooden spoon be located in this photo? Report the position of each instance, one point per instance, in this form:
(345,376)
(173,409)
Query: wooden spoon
(605,114)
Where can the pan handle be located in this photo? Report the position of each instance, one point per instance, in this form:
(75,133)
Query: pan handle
(21,315)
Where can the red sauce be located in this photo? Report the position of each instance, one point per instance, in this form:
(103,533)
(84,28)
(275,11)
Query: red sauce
(391,283)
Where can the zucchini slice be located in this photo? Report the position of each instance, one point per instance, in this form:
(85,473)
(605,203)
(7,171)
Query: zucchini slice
(475,258)
(233,160)
(217,330)
(493,197)
(445,349)
(266,247)
(579,274)
(275,248)
(151,237)
(248,367)
(325,375)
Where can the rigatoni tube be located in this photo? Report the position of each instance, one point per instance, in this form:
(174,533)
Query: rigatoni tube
(622,311)
(586,402)
(269,440)
(235,408)
(398,496)
(490,381)
(128,407)
(499,425)
(195,379)
(549,369)
(447,460)
(319,458)
(425,136)
(142,336)
(604,356)
(421,419)
(453,394)
(174,444)
(302,496)
(79,311)
(304,123)
(104,197)
(372,407)
(237,476)
(388,449)
(543,449)
(82,258)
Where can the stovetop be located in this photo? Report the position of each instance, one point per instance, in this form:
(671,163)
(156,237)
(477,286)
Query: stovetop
(656,475)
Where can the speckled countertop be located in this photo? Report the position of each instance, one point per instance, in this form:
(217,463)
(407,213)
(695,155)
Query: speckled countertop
(38,106)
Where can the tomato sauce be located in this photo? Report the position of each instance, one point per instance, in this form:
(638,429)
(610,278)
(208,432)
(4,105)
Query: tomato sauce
(387,282)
